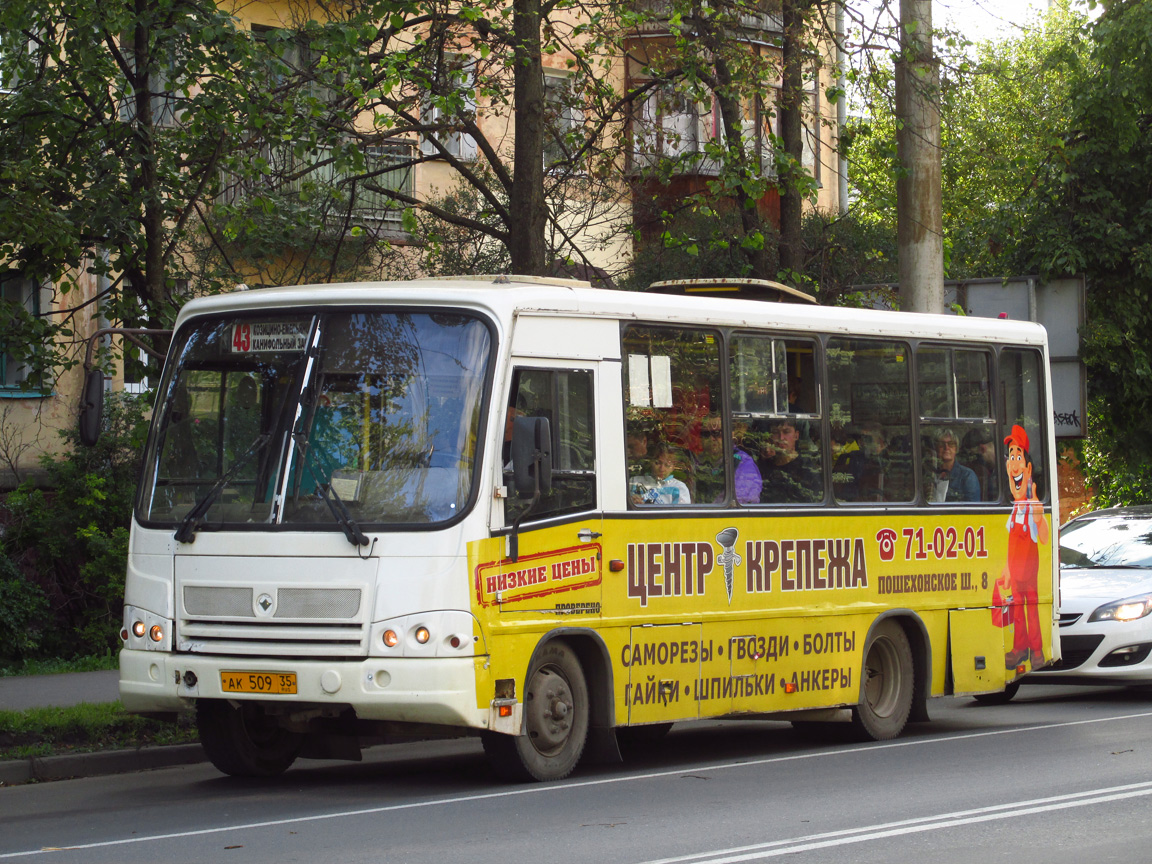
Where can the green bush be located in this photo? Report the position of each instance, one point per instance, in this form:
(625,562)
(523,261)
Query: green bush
(71,539)
(23,613)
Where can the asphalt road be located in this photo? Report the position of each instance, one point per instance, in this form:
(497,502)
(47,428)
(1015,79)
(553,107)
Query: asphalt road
(1060,775)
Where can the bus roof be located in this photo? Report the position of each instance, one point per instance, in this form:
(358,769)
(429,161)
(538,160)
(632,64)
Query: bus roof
(505,296)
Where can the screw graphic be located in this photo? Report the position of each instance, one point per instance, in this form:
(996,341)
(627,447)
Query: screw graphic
(729,558)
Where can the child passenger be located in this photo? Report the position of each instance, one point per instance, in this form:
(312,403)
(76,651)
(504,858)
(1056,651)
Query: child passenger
(662,487)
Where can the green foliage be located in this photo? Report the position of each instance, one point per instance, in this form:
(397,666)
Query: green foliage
(1004,108)
(450,248)
(56,666)
(82,728)
(844,251)
(23,613)
(698,242)
(144,143)
(71,539)
(703,139)
(1089,214)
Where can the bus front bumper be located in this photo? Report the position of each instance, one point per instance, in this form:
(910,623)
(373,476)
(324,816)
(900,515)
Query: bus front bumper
(434,690)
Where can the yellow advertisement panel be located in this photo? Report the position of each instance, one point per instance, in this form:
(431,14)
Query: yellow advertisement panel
(708,615)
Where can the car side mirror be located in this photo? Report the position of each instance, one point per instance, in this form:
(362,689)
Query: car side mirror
(531,456)
(91,407)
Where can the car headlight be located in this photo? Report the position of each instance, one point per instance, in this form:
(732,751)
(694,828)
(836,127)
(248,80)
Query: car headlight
(1128,609)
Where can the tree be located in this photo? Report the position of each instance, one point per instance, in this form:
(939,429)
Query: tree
(469,79)
(714,67)
(124,126)
(1003,111)
(1088,213)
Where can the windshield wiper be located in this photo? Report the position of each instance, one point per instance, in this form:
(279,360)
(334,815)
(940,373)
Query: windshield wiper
(186,533)
(340,513)
(332,498)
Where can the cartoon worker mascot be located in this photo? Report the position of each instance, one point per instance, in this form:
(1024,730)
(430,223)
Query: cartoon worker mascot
(1027,528)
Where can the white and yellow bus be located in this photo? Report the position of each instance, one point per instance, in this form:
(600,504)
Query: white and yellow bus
(545,513)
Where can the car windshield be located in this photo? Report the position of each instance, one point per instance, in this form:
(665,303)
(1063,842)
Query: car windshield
(1106,542)
(263,417)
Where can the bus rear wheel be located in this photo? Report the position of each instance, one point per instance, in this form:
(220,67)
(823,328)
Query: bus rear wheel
(886,697)
(243,741)
(555,720)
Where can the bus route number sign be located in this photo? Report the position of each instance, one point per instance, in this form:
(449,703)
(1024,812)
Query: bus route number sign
(258,682)
(254,337)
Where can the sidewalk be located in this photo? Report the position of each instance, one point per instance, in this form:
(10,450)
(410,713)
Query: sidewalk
(22,692)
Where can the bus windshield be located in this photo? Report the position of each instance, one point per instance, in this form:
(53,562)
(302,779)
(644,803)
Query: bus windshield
(317,418)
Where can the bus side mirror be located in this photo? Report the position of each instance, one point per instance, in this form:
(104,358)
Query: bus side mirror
(531,456)
(91,407)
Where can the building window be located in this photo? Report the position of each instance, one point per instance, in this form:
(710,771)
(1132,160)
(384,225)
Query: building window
(21,299)
(451,100)
(387,167)
(669,125)
(164,98)
(564,116)
(809,132)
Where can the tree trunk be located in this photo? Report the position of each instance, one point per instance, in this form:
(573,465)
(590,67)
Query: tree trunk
(526,199)
(792,132)
(919,215)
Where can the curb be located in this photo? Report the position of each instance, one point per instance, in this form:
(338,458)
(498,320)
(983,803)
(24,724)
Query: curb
(73,765)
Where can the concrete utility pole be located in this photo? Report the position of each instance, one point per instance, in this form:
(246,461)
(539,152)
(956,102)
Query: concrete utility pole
(919,225)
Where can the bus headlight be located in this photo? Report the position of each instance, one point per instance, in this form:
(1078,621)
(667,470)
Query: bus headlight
(390,639)
(146,631)
(422,635)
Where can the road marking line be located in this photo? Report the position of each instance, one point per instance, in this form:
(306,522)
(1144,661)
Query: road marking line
(536,789)
(775,848)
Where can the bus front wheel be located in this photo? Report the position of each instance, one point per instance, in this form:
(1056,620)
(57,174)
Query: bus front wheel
(243,741)
(886,697)
(555,720)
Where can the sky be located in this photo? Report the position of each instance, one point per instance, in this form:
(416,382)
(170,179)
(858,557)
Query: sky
(975,19)
(986,19)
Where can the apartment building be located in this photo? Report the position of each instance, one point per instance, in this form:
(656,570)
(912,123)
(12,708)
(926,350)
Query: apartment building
(664,149)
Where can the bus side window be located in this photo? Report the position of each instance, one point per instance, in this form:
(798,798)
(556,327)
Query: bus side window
(1020,403)
(869,384)
(673,404)
(565,397)
(956,424)
(776,409)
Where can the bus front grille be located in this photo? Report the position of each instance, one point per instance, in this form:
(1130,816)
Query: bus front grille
(200,636)
(273,620)
(290,603)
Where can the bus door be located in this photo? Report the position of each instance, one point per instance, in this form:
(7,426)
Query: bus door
(979,641)
(557,566)
(664,663)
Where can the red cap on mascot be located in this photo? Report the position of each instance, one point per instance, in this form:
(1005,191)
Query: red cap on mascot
(1018,437)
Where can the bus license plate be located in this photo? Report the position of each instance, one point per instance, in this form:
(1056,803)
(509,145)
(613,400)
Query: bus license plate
(258,682)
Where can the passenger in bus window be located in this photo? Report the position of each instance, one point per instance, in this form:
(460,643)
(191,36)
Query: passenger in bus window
(710,463)
(951,481)
(855,473)
(979,453)
(870,470)
(663,486)
(788,477)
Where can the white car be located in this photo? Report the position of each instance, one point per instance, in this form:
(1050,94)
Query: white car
(1105,600)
